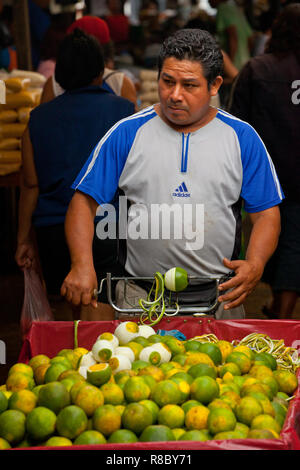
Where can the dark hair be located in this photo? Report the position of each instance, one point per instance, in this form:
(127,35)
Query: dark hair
(196,45)
(286,32)
(79,60)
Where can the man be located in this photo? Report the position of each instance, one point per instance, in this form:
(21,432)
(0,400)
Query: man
(181,153)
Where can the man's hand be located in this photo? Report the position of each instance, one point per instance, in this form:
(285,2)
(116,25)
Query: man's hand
(247,275)
(26,256)
(79,285)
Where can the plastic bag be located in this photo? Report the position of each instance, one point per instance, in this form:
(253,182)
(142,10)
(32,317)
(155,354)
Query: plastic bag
(35,305)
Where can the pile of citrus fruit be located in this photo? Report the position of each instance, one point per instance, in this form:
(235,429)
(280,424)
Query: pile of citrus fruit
(137,386)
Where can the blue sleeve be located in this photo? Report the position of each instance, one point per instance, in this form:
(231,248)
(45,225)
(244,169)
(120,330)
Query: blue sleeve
(260,187)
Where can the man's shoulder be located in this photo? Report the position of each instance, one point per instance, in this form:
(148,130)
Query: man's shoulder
(136,120)
(235,123)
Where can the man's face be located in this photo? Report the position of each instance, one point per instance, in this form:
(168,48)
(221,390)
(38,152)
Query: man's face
(184,94)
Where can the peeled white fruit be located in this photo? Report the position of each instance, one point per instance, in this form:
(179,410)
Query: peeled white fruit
(126,331)
(150,354)
(125,351)
(109,337)
(83,371)
(102,350)
(163,350)
(87,360)
(119,362)
(146,331)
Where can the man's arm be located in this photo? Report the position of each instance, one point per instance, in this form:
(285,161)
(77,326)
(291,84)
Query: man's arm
(78,287)
(25,253)
(262,244)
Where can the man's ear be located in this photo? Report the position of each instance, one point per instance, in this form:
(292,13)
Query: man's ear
(214,87)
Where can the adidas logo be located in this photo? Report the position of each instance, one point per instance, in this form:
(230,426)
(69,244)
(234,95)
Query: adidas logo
(181,191)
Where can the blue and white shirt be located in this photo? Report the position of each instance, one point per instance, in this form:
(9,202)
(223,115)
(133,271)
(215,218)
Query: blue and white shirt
(185,190)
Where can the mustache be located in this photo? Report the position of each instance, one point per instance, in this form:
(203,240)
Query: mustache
(174,106)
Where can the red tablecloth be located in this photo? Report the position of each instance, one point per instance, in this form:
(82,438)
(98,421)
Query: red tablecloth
(50,337)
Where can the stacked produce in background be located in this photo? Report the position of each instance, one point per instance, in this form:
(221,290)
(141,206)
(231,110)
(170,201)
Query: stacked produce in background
(148,88)
(23,92)
(137,386)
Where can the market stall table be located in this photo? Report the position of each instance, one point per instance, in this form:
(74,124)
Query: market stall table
(50,337)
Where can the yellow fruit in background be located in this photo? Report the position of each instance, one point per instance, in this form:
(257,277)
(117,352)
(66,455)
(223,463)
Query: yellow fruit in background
(112,394)
(248,409)
(18,381)
(40,423)
(287,381)
(221,420)
(136,417)
(246,350)
(23,400)
(259,371)
(71,421)
(196,417)
(225,347)
(12,426)
(106,419)
(242,428)
(22,368)
(89,398)
(171,415)
(4,444)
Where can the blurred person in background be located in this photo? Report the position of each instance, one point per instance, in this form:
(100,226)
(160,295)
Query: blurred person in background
(113,80)
(267,95)
(57,141)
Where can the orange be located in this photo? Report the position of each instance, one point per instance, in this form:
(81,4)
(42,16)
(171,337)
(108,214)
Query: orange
(246,350)
(150,381)
(136,348)
(189,404)
(175,345)
(196,417)
(106,419)
(197,358)
(252,388)
(90,437)
(38,360)
(287,381)
(218,403)
(221,420)
(228,435)
(3,402)
(213,351)
(88,399)
(58,441)
(259,371)
(22,368)
(136,389)
(183,386)
(184,376)
(178,432)
(138,364)
(242,428)
(171,416)
(112,394)
(54,371)
(204,389)
(225,347)
(265,403)
(231,398)
(40,423)
(54,396)
(248,409)
(39,373)
(136,417)
(202,369)
(262,434)
(157,432)
(166,392)
(71,421)
(155,371)
(99,374)
(75,389)
(194,435)
(271,382)
(18,381)
(12,426)
(153,407)
(264,421)
(231,367)
(241,360)
(122,436)
(24,401)
(4,444)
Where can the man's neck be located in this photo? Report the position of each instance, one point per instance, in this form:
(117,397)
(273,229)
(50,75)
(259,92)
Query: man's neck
(209,116)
